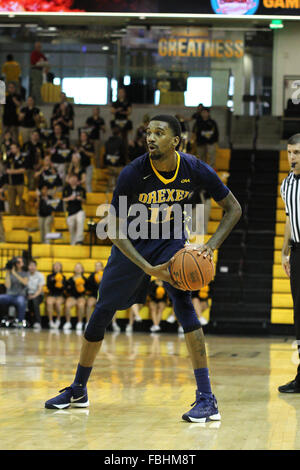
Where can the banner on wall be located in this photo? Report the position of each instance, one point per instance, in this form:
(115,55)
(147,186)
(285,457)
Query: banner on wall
(218,7)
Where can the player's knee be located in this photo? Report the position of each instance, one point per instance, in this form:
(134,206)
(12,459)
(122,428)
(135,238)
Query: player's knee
(185,313)
(98,323)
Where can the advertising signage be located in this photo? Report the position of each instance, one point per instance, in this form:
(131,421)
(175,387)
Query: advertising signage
(205,7)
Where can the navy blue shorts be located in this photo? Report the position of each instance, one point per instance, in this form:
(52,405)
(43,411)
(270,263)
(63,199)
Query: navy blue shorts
(124,283)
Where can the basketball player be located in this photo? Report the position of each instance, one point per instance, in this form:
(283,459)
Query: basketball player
(290,192)
(162,175)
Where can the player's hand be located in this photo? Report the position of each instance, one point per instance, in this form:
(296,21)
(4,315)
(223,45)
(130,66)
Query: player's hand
(161,271)
(285,261)
(205,249)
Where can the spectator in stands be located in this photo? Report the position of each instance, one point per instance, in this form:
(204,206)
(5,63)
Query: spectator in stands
(114,156)
(133,316)
(121,110)
(206,136)
(158,301)
(37,61)
(35,289)
(92,287)
(45,208)
(87,152)
(33,152)
(60,151)
(48,176)
(56,285)
(5,146)
(74,195)
(2,209)
(138,147)
(197,115)
(16,281)
(97,127)
(76,289)
(63,114)
(10,119)
(200,302)
(184,145)
(11,70)
(76,168)
(29,119)
(15,170)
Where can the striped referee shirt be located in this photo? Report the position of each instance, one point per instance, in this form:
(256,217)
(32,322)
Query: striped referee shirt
(290,193)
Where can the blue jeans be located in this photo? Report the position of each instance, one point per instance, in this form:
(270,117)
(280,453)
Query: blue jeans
(17,301)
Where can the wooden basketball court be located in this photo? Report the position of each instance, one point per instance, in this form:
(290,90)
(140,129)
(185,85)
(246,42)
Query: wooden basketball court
(139,389)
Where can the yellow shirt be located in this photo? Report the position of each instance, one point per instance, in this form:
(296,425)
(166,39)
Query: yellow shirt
(12,71)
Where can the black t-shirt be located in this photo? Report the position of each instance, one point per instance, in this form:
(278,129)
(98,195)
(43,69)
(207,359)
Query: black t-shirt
(120,114)
(15,163)
(157,293)
(206,132)
(2,183)
(96,125)
(45,207)
(56,283)
(50,178)
(10,116)
(74,206)
(92,285)
(28,120)
(67,116)
(76,287)
(84,158)
(32,154)
(61,153)
(115,152)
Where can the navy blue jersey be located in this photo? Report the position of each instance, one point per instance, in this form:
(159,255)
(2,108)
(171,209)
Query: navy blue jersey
(142,183)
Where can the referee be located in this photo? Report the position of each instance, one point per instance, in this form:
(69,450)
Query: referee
(290,193)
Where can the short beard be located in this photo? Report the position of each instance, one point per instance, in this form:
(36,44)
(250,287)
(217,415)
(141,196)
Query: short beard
(156,156)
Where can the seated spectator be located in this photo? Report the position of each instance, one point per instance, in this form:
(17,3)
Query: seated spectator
(121,110)
(56,285)
(35,288)
(10,120)
(86,149)
(14,173)
(206,135)
(92,287)
(158,301)
(74,195)
(76,289)
(48,176)
(138,147)
(2,209)
(76,168)
(63,114)
(44,205)
(60,150)
(114,156)
(16,281)
(33,153)
(29,119)
(96,126)
(11,70)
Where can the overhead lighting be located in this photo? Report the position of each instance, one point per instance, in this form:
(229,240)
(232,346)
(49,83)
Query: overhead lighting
(142,17)
(276,24)
(105,48)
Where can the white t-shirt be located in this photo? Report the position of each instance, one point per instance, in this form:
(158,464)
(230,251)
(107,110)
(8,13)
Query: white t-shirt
(35,281)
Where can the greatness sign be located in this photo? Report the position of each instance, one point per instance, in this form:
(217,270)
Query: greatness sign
(199,47)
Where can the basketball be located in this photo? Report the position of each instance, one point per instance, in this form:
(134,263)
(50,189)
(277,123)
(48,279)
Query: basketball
(191,271)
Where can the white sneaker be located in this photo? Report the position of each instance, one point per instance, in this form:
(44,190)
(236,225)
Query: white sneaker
(203,321)
(138,319)
(171,319)
(52,325)
(129,329)
(57,324)
(116,327)
(154,328)
(79,326)
(67,326)
(37,326)
(180,330)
